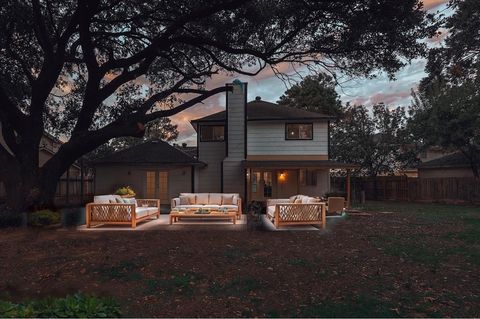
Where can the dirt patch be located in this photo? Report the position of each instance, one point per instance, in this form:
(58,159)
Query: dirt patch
(372,265)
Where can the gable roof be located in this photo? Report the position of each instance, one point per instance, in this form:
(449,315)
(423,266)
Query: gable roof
(451,160)
(259,110)
(152,152)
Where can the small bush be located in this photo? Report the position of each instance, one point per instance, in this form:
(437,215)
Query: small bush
(76,306)
(127,190)
(43,218)
(9,219)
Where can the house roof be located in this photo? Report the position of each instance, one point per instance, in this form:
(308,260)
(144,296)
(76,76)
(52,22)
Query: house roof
(447,161)
(152,152)
(259,110)
(297,164)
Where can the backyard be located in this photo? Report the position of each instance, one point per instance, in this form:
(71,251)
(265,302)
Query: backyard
(398,260)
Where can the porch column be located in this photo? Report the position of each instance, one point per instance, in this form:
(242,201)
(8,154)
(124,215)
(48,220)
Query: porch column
(348,188)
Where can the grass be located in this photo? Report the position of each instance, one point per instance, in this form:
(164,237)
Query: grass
(238,286)
(125,270)
(181,283)
(465,242)
(359,307)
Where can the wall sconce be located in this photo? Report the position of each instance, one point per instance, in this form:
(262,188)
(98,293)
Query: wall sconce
(282,177)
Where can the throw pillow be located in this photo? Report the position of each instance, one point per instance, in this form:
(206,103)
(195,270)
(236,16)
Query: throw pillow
(298,201)
(119,200)
(184,200)
(292,199)
(112,201)
(227,200)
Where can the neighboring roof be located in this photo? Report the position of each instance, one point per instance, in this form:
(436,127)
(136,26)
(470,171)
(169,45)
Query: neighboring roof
(151,152)
(296,164)
(259,110)
(451,160)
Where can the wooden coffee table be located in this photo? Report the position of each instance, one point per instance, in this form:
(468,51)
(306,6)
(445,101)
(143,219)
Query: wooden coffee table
(175,215)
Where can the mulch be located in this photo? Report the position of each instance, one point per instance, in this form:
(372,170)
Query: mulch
(238,274)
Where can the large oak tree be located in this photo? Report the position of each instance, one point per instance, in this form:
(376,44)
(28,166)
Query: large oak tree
(80,67)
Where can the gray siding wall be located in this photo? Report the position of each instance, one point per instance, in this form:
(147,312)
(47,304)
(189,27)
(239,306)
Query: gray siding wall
(268,138)
(109,178)
(208,179)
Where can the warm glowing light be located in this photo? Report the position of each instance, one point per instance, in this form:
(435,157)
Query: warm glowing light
(282,177)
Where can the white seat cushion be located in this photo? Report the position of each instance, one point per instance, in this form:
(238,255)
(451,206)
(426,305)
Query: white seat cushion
(189,206)
(211,206)
(229,206)
(144,211)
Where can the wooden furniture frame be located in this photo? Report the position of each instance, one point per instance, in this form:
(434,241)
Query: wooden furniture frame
(119,214)
(299,214)
(176,215)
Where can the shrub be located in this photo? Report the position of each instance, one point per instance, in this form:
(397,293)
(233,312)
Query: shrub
(8,218)
(43,217)
(76,306)
(127,190)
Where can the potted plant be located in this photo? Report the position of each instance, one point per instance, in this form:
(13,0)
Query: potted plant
(126,192)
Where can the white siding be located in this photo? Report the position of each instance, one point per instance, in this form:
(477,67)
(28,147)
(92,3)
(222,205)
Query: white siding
(208,179)
(268,138)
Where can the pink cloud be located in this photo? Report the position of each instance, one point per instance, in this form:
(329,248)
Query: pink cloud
(431,4)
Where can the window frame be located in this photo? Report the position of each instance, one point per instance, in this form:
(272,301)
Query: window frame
(298,139)
(211,126)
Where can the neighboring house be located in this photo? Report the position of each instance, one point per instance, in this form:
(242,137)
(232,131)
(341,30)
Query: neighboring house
(49,145)
(263,150)
(154,169)
(452,165)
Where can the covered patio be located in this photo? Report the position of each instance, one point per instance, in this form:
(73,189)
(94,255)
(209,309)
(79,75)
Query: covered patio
(284,178)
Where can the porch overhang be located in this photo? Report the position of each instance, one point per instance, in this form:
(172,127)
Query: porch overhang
(319,164)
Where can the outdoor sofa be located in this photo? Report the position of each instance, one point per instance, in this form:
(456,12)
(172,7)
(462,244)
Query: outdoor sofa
(209,200)
(296,210)
(113,209)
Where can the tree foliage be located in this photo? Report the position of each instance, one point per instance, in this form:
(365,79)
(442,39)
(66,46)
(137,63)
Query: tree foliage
(96,70)
(314,93)
(375,142)
(446,108)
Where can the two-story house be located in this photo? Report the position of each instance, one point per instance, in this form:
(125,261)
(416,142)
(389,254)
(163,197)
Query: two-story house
(257,149)
(263,150)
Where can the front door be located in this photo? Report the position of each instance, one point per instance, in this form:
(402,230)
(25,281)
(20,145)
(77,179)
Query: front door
(157,186)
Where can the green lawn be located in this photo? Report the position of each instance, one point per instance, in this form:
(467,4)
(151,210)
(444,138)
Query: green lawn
(401,260)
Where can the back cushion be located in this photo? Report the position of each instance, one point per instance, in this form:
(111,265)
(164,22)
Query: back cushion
(305,199)
(192,197)
(202,199)
(235,198)
(103,199)
(313,200)
(292,199)
(215,199)
(227,199)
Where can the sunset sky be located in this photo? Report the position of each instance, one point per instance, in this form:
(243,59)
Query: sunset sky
(355,91)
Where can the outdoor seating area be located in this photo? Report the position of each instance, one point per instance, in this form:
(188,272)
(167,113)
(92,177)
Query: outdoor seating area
(116,210)
(213,201)
(297,210)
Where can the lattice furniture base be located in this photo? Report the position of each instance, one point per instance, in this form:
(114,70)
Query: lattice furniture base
(299,214)
(122,214)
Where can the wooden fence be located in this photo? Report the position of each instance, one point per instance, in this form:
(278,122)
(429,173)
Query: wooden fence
(70,192)
(402,188)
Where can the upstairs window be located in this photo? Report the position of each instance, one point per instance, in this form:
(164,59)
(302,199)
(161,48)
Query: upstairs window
(212,133)
(299,131)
